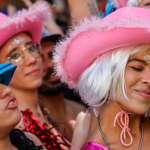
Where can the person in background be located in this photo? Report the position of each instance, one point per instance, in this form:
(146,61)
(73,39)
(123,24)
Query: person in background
(82,9)
(59,110)
(112,5)
(113,76)
(10,138)
(50,24)
(131,3)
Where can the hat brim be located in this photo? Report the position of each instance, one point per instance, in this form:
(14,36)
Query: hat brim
(6,72)
(54,38)
(124,27)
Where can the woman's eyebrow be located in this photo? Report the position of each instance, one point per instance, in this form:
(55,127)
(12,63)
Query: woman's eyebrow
(29,42)
(139,60)
(11,51)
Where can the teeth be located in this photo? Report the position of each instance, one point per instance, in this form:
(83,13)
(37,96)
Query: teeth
(11,102)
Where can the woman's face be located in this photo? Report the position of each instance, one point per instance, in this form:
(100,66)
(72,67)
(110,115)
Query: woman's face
(9,112)
(137,80)
(145,4)
(28,75)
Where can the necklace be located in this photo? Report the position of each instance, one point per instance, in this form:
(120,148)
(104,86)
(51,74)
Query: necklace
(106,140)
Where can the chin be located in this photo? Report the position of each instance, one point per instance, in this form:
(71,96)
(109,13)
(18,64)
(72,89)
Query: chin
(17,119)
(36,84)
(142,110)
(14,117)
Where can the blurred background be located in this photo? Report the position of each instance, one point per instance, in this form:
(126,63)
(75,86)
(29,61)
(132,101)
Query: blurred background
(59,7)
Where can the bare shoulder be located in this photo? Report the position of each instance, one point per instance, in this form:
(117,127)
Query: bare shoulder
(75,106)
(34,139)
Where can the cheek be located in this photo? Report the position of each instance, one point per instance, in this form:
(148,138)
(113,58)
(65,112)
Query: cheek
(18,76)
(40,63)
(131,78)
(2,108)
(3,58)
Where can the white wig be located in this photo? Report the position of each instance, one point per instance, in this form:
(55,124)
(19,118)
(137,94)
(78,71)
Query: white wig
(99,82)
(133,3)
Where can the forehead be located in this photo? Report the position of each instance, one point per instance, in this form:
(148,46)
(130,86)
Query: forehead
(142,53)
(20,35)
(47,46)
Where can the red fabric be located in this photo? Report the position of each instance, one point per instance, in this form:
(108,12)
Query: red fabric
(44,133)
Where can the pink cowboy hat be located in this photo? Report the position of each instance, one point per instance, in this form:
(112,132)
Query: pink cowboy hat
(124,3)
(30,21)
(125,27)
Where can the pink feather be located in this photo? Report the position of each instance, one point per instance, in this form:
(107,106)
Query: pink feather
(42,11)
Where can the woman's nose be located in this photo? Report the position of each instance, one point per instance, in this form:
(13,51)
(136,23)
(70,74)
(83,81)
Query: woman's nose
(29,59)
(4,91)
(146,77)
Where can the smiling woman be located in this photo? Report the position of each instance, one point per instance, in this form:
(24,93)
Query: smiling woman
(108,62)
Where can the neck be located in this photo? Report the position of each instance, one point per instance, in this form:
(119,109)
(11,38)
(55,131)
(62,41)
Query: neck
(107,123)
(56,102)
(5,144)
(27,99)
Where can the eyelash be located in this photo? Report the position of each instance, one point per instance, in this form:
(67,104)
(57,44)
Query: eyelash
(137,69)
(148,4)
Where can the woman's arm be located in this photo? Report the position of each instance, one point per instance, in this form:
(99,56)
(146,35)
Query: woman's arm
(80,9)
(80,130)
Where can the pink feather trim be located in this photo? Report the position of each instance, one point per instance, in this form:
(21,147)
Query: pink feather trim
(35,12)
(95,23)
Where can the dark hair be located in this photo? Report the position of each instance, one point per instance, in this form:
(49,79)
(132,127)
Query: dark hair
(22,141)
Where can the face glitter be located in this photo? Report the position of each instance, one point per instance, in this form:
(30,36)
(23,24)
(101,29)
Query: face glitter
(18,41)
(23,47)
(147,57)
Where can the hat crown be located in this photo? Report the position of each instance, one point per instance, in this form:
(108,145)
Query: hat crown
(3,17)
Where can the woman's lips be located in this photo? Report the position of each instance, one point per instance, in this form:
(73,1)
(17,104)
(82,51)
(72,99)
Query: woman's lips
(144,93)
(34,72)
(12,103)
